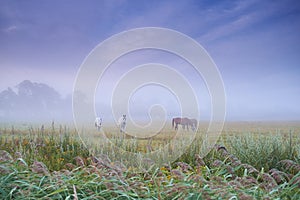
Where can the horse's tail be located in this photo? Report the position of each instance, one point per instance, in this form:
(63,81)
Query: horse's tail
(173,121)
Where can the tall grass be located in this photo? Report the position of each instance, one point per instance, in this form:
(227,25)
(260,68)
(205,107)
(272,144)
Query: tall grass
(57,146)
(53,147)
(104,181)
(264,150)
(53,163)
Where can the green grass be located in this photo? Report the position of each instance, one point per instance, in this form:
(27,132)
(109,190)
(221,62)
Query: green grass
(55,148)
(54,164)
(264,150)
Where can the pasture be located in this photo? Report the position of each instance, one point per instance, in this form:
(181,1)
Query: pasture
(261,160)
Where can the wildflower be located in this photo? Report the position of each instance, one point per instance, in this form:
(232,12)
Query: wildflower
(169,177)
(163,168)
(25,142)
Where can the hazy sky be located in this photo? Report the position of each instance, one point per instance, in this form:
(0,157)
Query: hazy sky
(255,44)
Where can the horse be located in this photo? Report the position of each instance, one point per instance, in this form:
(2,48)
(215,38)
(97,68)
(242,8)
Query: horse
(193,123)
(98,123)
(183,121)
(122,123)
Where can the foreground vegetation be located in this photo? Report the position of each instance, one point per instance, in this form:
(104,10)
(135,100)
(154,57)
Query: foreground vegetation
(54,164)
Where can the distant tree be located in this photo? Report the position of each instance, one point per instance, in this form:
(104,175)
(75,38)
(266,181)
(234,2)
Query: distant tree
(33,101)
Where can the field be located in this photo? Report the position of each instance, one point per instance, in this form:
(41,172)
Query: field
(251,160)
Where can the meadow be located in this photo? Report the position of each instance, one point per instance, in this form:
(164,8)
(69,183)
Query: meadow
(251,160)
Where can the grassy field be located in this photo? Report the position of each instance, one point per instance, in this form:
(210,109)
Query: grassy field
(251,160)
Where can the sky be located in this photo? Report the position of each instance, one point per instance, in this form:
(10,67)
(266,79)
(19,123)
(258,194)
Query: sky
(255,45)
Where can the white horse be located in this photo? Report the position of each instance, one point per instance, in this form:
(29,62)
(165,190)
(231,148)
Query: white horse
(193,127)
(98,123)
(122,123)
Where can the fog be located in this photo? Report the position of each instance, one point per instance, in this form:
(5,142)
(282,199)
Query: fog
(31,102)
(38,103)
(255,49)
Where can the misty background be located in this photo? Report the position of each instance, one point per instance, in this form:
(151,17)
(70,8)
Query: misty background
(254,44)
(34,102)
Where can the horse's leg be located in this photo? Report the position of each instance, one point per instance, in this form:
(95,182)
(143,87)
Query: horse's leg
(122,128)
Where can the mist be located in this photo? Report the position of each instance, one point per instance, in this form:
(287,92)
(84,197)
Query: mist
(31,102)
(255,49)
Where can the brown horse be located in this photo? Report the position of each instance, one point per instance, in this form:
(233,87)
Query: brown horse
(183,121)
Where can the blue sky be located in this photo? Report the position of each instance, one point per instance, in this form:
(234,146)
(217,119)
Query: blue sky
(255,44)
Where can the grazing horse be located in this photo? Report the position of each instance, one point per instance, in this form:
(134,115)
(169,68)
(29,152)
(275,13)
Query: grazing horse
(98,123)
(193,123)
(122,123)
(183,121)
